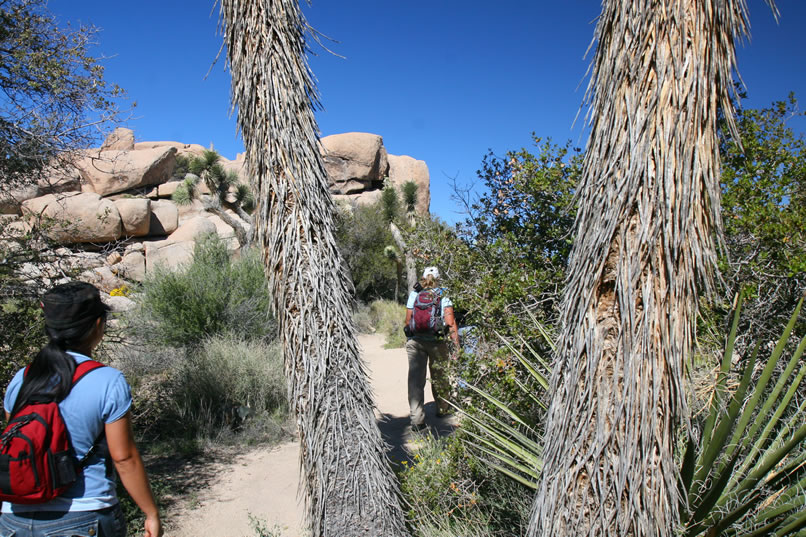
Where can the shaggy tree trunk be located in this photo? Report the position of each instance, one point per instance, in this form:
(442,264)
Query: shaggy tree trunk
(411,270)
(644,249)
(347,483)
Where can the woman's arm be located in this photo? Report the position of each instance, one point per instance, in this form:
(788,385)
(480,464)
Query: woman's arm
(132,472)
(453,329)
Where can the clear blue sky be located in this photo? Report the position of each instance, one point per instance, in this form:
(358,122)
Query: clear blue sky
(443,81)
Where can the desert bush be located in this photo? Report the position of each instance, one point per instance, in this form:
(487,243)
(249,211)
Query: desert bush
(231,384)
(450,492)
(24,335)
(383,317)
(213,295)
(228,387)
(362,234)
(362,317)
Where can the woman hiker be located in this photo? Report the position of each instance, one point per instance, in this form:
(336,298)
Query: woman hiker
(427,345)
(95,409)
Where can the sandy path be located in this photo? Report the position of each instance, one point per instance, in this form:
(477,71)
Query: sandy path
(264,482)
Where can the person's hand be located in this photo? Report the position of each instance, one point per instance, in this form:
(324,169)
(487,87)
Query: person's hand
(153,526)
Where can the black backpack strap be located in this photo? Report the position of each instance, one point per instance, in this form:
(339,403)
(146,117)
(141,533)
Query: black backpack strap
(82,463)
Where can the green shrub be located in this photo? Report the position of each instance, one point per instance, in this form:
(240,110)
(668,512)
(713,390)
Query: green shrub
(213,295)
(449,492)
(231,384)
(362,235)
(362,318)
(23,335)
(227,387)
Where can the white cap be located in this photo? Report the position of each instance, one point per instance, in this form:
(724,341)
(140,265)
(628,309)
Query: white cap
(431,271)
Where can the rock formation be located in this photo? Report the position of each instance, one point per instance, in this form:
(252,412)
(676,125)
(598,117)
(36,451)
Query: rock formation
(117,202)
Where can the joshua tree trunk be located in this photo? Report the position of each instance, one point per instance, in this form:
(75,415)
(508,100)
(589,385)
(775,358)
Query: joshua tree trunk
(411,271)
(348,486)
(644,249)
(244,237)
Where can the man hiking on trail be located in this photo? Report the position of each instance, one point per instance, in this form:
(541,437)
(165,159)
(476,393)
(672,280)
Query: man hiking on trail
(429,317)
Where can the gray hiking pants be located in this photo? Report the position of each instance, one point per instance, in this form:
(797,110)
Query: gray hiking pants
(425,355)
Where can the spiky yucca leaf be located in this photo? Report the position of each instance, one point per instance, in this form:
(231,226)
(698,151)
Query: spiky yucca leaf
(209,158)
(510,442)
(391,253)
(244,197)
(751,463)
(197,165)
(183,195)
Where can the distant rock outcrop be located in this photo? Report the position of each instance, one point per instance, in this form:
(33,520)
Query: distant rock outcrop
(75,217)
(403,169)
(117,202)
(111,172)
(357,165)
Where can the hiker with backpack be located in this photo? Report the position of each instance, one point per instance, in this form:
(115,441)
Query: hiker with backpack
(429,323)
(68,430)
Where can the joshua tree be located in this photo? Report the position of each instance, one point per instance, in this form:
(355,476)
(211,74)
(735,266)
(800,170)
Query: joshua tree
(644,250)
(225,186)
(348,486)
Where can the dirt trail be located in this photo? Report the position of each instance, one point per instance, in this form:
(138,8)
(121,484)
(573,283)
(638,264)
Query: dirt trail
(263,483)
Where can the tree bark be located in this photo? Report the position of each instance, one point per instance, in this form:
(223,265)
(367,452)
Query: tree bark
(240,232)
(348,487)
(644,249)
(411,270)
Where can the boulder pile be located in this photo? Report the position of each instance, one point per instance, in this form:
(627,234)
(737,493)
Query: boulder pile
(114,218)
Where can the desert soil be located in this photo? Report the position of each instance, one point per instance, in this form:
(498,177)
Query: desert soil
(263,483)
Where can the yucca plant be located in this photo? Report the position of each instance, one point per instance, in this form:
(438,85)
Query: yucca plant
(207,167)
(747,474)
(745,477)
(510,442)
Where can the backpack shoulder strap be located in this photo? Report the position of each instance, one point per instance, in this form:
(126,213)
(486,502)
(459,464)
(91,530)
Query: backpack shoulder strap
(82,369)
(85,367)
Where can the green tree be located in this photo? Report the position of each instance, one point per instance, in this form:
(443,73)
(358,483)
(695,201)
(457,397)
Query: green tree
(54,96)
(764,213)
(53,101)
(362,234)
(509,255)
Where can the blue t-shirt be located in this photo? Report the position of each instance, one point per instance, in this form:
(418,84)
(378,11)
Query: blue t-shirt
(444,303)
(102,396)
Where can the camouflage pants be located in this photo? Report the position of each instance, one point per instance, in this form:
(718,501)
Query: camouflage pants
(425,355)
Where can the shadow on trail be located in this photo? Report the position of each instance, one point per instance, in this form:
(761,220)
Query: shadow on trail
(396,432)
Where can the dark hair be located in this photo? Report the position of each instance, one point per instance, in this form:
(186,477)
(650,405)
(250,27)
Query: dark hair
(50,375)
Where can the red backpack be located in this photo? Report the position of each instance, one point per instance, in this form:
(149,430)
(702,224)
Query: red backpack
(426,316)
(37,461)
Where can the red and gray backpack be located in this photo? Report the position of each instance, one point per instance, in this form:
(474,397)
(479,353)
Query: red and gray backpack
(37,460)
(426,315)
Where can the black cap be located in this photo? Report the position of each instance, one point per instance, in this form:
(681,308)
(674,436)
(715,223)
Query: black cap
(71,305)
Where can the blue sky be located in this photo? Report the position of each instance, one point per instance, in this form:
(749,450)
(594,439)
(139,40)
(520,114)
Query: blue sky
(443,81)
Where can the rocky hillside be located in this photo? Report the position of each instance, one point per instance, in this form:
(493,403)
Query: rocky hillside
(114,218)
